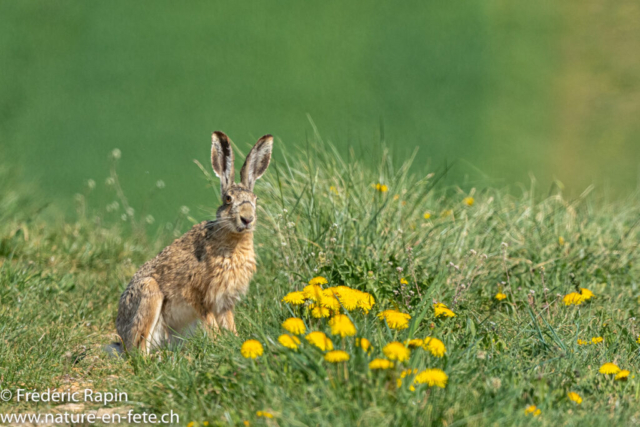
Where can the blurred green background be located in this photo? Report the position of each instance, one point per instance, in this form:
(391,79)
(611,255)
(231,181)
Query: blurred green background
(505,88)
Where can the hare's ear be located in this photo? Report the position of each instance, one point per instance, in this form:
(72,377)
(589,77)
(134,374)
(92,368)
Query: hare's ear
(222,160)
(257,162)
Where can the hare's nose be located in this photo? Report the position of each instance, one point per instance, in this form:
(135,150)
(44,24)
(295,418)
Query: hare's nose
(246,220)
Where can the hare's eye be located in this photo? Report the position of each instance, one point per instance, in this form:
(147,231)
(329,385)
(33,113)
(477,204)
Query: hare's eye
(228,198)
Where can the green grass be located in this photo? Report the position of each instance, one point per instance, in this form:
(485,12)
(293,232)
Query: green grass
(60,281)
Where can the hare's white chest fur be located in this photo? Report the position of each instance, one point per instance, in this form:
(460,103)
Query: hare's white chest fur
(232,273)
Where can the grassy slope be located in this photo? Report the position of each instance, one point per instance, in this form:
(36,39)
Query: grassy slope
(60,283)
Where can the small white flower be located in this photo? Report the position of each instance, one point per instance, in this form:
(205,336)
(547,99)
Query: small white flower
(184,210)
(116,153)
(110,181)
(399,269)
(150,219)
(333,240)
(285,210)
(91,184)
(532,292)
(123,217)
(291,224)
(160,184)
(130,211)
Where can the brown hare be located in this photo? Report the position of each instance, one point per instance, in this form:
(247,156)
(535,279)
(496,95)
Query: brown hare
(203,274)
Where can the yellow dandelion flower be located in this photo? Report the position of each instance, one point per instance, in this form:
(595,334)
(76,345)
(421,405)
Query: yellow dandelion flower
(333,189)
(336,356)
(597,340)
(294,298)
(469,201)
(319,312)
(404,281)
(396,351)
(378,364)
(623,375)
(365,301)
(363,343)
(264,414)
(382,188)
(586,294)
(191,424)
(638,339)
(289,341)
(320,340)
(434,346)
(329,300)
(532,410)
(408,372)
(573,298)
(561,241)
(432,377)
(319,280)
(446,212)
(395,319)
(251,349)
(582,342)
(312,292)
(348,297)
(294,325)
(609,369)
(342,325)
(427,215)
(500,296)
(574,397)
(414,343)
(442,310)
(246,423)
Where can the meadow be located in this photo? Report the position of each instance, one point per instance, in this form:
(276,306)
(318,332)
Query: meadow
(444,307)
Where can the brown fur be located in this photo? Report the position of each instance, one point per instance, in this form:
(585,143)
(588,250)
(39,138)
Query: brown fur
(204,273)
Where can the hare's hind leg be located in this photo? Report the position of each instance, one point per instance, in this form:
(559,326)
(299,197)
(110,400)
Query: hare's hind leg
(139,318)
